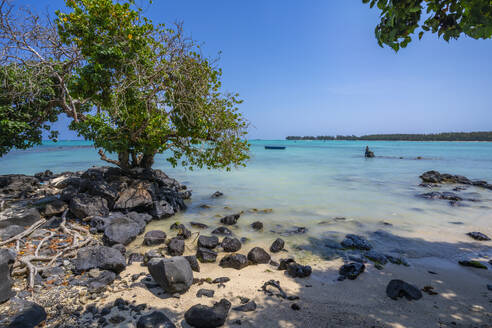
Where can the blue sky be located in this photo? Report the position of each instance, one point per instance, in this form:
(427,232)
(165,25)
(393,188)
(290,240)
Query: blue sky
(314,68)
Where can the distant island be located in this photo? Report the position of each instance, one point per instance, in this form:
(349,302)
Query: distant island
(445,136)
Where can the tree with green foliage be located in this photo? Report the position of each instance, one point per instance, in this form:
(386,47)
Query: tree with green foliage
(400,19)
(25,108)
(132,87)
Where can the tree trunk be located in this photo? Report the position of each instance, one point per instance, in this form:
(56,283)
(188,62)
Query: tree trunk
(147,161)
(123,158)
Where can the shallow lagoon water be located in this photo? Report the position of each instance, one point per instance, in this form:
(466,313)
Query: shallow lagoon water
(314,184)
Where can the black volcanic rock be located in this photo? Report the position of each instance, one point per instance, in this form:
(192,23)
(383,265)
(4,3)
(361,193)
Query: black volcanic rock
(398,288)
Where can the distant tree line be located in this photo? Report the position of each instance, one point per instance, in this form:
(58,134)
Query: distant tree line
(445,136)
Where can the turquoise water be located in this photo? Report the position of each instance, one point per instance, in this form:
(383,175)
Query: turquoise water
(312,182)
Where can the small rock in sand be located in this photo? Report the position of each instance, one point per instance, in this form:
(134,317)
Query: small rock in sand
(351,270)
(206,255)
(32,315)
(176,246)
(174,275)
(230,244)
(478,236)
(299,271)
(151,254)
(235,261)
(473,264)
(221,280)
(205,292)
(258,255)
(398,288)
(208,242)
(202,316)
(195,266)
(156,319)
(248,307)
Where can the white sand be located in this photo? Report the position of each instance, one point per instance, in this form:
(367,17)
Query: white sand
(463,299)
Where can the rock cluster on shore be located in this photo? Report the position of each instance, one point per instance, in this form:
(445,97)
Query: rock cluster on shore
(113,205)
(111,208)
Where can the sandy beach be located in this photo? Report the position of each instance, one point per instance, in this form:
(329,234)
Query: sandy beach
(462,299)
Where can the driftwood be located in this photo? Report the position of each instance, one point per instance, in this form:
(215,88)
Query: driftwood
(29,264)
(24,233)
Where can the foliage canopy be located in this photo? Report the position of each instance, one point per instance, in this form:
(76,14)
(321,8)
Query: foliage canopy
(136,88)
(400,19)
(25,108)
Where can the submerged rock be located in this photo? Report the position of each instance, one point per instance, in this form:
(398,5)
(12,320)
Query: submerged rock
(441,195)
(436,177)
(198,225)
(277,245)
(355,241)
(202,316)
(217,194)
(174,274)
(222,231)
(257,225)
(398,288)
(230,219)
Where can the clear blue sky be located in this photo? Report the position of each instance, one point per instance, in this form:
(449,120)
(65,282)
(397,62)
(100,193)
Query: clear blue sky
(314,68)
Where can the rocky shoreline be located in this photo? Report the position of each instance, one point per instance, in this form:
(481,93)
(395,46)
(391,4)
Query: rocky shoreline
(63,253)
